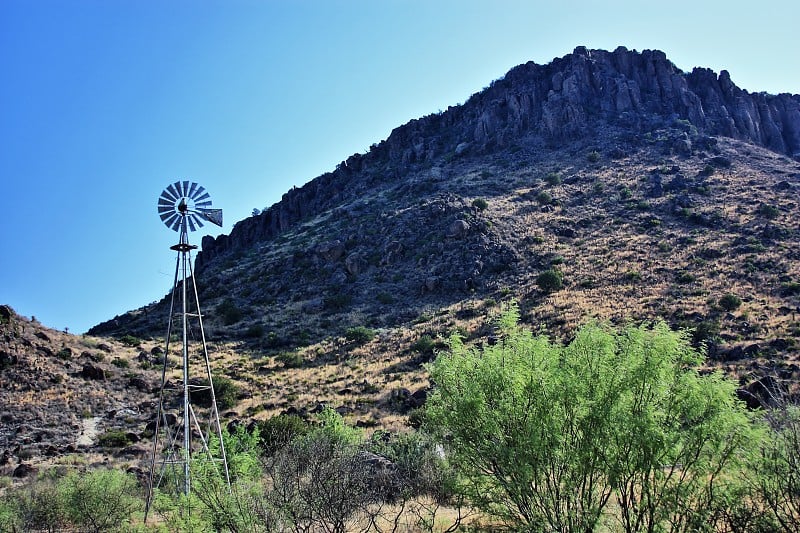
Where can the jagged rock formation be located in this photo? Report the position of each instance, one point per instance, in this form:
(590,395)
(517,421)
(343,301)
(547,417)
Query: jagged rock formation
(570,98)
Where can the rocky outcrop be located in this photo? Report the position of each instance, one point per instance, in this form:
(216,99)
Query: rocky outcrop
(568,98)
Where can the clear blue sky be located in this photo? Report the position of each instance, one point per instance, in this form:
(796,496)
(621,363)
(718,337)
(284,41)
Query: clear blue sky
(105,102)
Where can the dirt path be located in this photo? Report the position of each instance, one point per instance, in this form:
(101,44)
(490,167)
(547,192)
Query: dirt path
(89,432)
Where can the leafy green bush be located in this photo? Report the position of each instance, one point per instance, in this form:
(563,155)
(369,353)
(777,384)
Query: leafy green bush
(423,345)
(550,281)
(546,436)
(114,439)
(593,156)
(480,204)
(226,393)
(229,312)
(130,340)
(359,334)
(544,198)
(729,302)
(278,431)
(291,359)
(768,211)
(553,178)
(337,302)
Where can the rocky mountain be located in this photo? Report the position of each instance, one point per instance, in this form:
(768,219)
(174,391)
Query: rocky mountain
(603,185)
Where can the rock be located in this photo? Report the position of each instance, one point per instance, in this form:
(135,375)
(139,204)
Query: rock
(354,264)
(7,359)
(458,229)
(94,372)
(23,470)
(461,148)
(140,383)
(331,251)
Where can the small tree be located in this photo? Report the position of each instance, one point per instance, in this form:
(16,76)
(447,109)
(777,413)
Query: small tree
(550,281)
(545,435)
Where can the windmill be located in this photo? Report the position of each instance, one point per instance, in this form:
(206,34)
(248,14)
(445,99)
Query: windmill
(183,427)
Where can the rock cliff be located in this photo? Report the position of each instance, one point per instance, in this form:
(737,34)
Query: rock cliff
(569,98)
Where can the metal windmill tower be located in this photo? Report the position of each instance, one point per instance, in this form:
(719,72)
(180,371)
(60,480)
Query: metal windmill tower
(187,418)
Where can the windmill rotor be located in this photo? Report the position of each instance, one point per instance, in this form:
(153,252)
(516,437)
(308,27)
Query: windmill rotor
(186,200)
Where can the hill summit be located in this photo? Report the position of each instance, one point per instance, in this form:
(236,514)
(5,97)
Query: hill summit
(603,185)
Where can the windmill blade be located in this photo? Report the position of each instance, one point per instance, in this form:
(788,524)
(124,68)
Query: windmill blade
(212,215)
(174,190)
(197,220)
(180,195)
(197,191)
(168,195)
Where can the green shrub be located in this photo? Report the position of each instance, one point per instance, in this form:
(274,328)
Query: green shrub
(480,204)
(229,313)
(768,211)
(254,331)
(226,393)
(278,431)
(100,500)
(337,302)
(424,345)
(616,426)
(729,302)
(291,359)
(130,340)
(544,198)
(553,178)
(359,334)
(593,156)
(120,363)
(550,281)
(114,439)
(384,298)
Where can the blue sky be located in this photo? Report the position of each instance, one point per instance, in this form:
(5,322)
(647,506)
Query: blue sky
(105,102)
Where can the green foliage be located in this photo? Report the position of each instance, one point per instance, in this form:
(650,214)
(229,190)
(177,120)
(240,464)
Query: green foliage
(130,340)
(120,363)
(480,204)
(337,302)
(94,501)
(424,345)
(550,281)
(114,439)
(359,334)
(729,302)
(100,500)
(768,211)
(544,198)
(229,312)
(226,392)
(593,156)
(278,431)
(553,178)
(254,331)
(291,359)
(776,472)
(545,436)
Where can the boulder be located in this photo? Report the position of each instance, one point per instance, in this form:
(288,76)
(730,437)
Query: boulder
(90,371)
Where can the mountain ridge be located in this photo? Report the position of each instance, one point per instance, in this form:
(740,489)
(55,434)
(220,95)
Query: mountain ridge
(553,101)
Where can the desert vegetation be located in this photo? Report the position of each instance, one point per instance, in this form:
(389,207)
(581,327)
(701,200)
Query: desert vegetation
(619,429)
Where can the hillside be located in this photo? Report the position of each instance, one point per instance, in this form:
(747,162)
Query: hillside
(650,193)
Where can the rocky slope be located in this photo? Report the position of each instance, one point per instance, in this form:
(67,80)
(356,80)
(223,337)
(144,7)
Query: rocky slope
(649,192)
(60,394)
